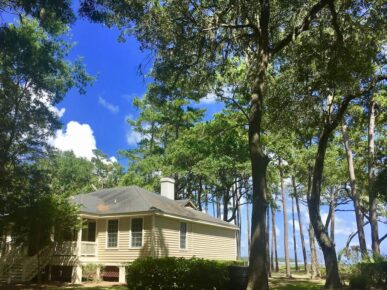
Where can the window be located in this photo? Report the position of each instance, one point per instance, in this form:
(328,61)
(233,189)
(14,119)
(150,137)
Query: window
(183,236)
(88,231)
(137,233)
(112,231)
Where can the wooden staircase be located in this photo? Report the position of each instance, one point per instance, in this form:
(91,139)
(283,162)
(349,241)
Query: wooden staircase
(16,267)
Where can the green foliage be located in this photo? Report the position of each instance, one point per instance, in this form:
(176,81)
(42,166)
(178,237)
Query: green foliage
(367,275)
(34,210)
(89,272)
(177,273)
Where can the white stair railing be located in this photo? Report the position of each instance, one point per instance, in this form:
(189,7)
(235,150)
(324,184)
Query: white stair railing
(32,265)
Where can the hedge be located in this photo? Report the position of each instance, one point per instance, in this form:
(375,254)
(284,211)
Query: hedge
(366,275)
(178,273)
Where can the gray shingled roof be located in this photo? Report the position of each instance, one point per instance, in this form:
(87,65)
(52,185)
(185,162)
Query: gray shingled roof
(132,199)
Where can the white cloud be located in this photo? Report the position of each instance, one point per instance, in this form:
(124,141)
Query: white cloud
(77,137)
(57,111)
(112,108)
(113,159)
(133,137)
(45,99)
(211,98)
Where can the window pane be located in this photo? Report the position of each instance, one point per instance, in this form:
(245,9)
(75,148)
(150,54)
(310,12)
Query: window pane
(136,232)
(112,233)
(183,235)
(91,231)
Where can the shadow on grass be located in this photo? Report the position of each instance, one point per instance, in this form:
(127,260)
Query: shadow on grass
(282,283)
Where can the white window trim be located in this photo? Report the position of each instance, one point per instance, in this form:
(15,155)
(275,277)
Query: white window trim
(186,236)
(118,234)
(130,233)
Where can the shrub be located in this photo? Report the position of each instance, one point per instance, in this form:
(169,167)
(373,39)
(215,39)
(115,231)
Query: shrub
(177,273)
(89,272)
(369,274)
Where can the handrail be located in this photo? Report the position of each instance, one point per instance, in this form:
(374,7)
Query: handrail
(9,260)
(31,266)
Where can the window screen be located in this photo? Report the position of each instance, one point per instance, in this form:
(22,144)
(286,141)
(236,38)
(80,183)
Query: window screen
(136,232)
(112,233)
(183,235)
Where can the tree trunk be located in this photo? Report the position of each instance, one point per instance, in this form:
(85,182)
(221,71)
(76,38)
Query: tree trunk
(286,226)
(267,241)
(315,269)
(257,277)
(371,178)
(248,225)
(300,225)
(333,279)
(272,244)
(354,193)
(332,214)
(218,211)
(273,229)
(294,236)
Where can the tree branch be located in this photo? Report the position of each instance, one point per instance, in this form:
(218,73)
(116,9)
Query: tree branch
(300,28)
(335,22)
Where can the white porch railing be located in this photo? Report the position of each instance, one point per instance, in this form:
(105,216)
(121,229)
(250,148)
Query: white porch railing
(70,248)
(88,249)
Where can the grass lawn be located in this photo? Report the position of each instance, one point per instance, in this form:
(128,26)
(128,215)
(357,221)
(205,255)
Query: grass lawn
(297,282)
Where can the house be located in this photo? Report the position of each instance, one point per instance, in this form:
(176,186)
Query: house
(123,224)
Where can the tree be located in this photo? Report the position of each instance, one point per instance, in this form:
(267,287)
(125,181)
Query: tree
(159,124)
(354,192)
(34,76)
(296,197)
(285,216)
(195,41)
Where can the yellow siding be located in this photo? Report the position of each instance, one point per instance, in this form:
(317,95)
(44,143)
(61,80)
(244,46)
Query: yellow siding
(213,242)
(123,253)
(167,238)
(204,241)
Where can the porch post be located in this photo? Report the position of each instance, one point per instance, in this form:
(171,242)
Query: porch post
(122,274)
(77,274)
(79,243)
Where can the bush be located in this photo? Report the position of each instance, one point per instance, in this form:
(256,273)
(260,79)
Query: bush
(177,273)
(369,274)
(89,272)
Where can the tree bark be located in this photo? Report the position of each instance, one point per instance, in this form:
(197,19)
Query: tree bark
(267,241)
(286,226)
(315,269)
(354,193)
(257,277)
(272,244)
(300,225)
(294,236)
(327,246)
(332,214)
(373,216)
(273,229)
(248,225)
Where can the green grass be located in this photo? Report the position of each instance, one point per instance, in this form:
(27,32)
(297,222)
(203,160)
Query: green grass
(297,282)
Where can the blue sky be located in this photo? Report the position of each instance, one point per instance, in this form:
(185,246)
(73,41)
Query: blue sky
(98,119)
